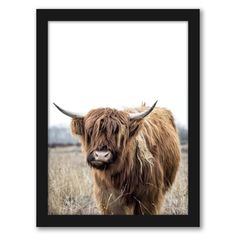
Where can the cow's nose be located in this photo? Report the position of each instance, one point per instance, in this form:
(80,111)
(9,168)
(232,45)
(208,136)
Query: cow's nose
(102,155)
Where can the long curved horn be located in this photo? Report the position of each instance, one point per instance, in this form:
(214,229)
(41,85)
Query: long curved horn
(68,113)
(141,115)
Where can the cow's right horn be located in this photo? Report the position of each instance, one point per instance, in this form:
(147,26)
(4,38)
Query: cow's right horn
(68,113)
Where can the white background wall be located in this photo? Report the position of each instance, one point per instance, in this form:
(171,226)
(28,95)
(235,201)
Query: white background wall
(17,126)
(118,64)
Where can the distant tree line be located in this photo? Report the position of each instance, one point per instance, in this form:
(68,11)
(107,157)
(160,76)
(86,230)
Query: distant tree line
(183,134)
(61,136)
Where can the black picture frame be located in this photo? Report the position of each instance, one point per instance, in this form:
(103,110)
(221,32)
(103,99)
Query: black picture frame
(192,16)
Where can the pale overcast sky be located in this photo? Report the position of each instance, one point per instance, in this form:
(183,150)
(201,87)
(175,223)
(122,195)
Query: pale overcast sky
(117,64)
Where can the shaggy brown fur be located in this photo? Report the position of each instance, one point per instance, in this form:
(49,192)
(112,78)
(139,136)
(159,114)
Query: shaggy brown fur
(148,155)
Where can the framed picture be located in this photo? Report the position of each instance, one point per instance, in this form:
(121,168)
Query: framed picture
(118,117)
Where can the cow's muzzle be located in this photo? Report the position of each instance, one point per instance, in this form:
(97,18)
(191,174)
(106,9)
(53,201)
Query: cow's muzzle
(100,159)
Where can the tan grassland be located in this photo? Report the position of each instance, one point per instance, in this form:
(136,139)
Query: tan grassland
(70,184)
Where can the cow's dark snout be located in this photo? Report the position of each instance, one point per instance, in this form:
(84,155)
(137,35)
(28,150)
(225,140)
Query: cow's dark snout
(100,159)
(90,158)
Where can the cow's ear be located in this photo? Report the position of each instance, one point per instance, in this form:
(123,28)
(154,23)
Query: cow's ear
(134,127)
(77,126)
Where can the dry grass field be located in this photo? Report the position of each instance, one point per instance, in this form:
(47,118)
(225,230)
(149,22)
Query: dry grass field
(71,185)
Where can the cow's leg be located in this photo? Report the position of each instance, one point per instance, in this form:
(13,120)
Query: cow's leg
(113,209)
(142,208)
(109,203)
(148,206)
(137,209)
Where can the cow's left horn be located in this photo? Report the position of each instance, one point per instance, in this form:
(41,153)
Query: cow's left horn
(141,115)
(68,113)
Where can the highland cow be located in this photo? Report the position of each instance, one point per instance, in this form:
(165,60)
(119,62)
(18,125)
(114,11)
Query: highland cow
(134,155)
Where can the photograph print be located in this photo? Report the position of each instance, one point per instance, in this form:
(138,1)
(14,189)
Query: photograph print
(117,117)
